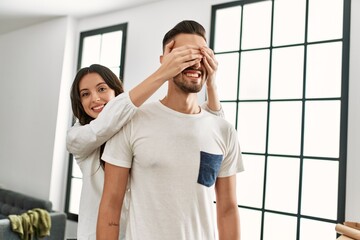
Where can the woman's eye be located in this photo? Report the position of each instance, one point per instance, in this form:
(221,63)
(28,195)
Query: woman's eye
(102,89)
(84,94)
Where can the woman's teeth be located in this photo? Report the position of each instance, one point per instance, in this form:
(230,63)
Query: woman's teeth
(98,107)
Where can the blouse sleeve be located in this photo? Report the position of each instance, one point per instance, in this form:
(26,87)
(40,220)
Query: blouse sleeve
(219,113)
(84,139)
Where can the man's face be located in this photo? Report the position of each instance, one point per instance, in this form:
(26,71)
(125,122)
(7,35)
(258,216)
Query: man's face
(193,78)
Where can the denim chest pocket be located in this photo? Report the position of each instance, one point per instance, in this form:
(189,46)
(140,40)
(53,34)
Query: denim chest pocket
(209,168)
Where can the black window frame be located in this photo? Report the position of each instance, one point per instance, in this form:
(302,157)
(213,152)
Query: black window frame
(343,114)
(119,27)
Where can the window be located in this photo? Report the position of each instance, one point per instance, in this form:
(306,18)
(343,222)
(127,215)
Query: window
(105,46)
(283,83)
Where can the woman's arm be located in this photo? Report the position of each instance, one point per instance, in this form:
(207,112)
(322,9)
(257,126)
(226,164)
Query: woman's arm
(213,104)
(174,61)
(82,140)
(212,96)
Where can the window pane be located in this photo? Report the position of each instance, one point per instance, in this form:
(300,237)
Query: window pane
(310,229)
(251,181)
(282,178)
(76,185)
(250,224)
(230,112)
(322,128)
(289,22)
(252,126)
(320,188)
(256,25)
(76,172)
(227,74)
(325,19)
(91,50)
(111,49)
(279,227)
(227,38)
(285,128)
(323,78)
(116,71)
(287,73)
(254,75)
(291,57)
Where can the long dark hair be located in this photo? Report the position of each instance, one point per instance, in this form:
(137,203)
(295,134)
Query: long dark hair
(110,79)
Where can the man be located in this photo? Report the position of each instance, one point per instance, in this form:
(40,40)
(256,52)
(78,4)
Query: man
(178,155)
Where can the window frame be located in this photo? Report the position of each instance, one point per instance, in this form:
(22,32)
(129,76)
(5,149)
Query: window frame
(343,112)
(100,31)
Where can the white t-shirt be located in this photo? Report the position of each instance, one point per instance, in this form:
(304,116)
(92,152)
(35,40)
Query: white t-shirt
(84,142)
(175,159)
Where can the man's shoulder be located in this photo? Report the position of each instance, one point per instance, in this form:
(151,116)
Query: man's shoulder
(218,121)
(215,117)
(148,109)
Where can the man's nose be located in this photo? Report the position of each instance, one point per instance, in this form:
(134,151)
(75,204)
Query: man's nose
(197,65)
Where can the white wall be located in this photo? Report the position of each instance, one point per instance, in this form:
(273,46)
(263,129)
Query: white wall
(64,119)
(31,65)
(146,28)
(36,61)
(353,154)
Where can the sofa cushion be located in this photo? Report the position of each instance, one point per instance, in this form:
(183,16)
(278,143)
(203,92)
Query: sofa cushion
(16,203)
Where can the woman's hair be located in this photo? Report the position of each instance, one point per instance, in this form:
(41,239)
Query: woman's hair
(110,79)
(187,27)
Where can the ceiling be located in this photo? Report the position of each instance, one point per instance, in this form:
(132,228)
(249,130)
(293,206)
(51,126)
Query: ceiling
(16,14)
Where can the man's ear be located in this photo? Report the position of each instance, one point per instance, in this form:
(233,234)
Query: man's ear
(161,58)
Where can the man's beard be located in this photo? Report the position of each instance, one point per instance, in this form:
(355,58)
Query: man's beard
(185,86)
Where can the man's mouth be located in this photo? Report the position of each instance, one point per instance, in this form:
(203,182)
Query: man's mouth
(192,73)
(195,75)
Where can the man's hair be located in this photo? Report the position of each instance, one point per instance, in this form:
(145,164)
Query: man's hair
(187,27)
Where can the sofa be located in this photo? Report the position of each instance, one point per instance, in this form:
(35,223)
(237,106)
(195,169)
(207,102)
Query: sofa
(12,202)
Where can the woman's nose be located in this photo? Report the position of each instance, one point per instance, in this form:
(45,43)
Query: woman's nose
(95,98)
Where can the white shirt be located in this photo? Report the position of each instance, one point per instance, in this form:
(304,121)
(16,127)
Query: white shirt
(175,159)
(84,142)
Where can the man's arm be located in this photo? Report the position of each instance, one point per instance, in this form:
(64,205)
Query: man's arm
(115,183)
(228,219)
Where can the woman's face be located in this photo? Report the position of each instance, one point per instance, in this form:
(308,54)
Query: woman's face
(94,94)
